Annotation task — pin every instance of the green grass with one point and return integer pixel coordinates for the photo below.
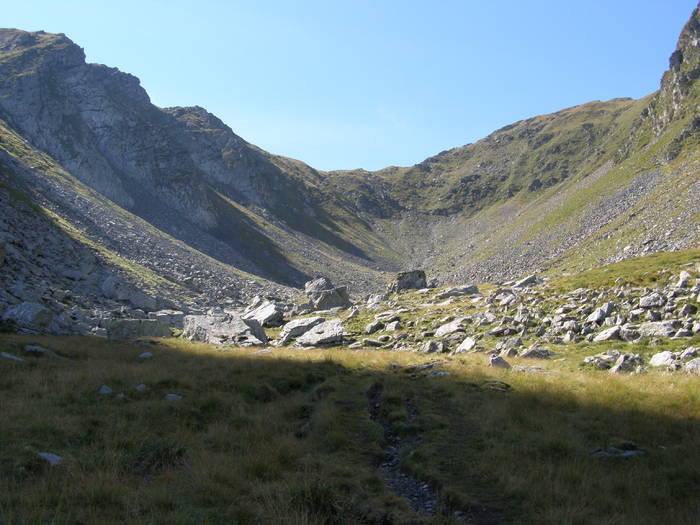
(637, 271)
(286, 437)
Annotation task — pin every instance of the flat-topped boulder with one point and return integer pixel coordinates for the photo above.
(659, 328)
(327, 333)
(224, 328)
(458, 291)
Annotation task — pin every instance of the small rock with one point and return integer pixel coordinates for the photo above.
(498, 362)
(11, 357)
(373, 327)
(53, 459)
(146, 355)
(172, 397)
(104, 390)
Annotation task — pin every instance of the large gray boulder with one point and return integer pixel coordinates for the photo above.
(173, 318)
(665, 358)
(324, 334)
(626, 363)
(266, 313)
(659, 328)
(450, 328)
(135, 328)
(458, 291)
(324, 296)
(653, 300)
(530, 280)
(113, 287)
(537, 352)
(466, 346)
(29, 315)
(298, 327)
(693, 366)
(224, 328)
(412, 280)
(608, 334)
(600, 314)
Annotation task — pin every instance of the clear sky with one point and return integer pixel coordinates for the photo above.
(367, 84)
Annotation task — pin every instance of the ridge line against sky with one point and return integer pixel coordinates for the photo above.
(343, 85)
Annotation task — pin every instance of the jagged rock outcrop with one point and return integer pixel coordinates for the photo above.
(324, 296)
(414, 279)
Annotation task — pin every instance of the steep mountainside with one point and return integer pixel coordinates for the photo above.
(177, 206)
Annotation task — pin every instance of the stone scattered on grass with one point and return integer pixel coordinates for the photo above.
(41, 351)
(498, 362)
(104, 390)
(146, 355)
(11, 357)
(53, 459)
(624, 450)
(172, 397)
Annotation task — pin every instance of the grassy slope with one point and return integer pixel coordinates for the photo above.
(237, 448)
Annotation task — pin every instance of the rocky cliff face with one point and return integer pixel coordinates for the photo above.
(676, 98)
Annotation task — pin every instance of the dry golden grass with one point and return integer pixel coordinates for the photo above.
(286, 437)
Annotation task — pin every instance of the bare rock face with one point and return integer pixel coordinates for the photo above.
(324, 296)
(412, 280)
(225, 328)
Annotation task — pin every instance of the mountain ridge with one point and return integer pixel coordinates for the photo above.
(560, 192)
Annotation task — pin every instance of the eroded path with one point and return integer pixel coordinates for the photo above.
(420, 496)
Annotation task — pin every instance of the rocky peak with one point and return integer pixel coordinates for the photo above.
(39, 47)
(673, 99)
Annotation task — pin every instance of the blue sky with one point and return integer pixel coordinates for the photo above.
(368, 84)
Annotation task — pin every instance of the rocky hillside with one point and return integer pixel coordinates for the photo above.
(177, 208)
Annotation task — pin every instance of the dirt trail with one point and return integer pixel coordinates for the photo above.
(422, 498)
(419, 494)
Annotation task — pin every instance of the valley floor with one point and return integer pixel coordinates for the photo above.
(339, 436)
